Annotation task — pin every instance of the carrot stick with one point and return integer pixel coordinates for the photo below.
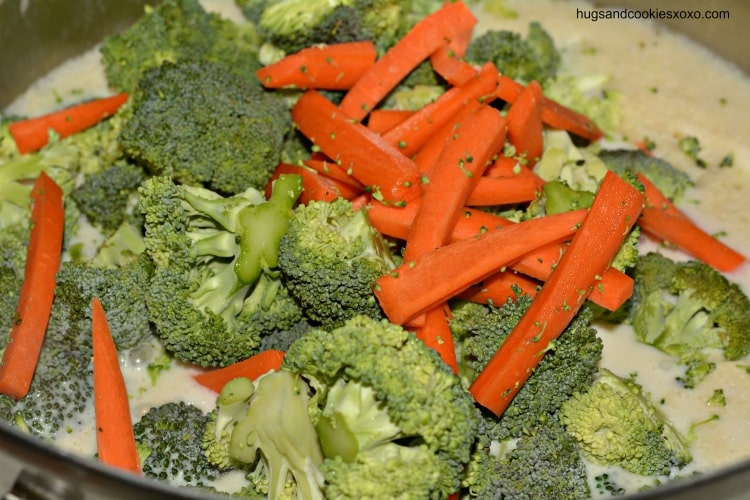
(37, 291)
(491, 191)
(499, 287)
(371, 160)
(420, 284)
(615, 286)
(252, 368)
(553, 114)
(332, 67)
(33, 133)
(525, 129)
(663, 221)
(382, 120)
(115, 438)
(331, 169)
(465, 156)
(616, 208)
(450, 67)
(450, 21)
(411, 134)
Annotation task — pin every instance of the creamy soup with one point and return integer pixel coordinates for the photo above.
(662, 99)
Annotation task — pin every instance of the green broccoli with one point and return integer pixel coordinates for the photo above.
(544, 463)
(523, 59)
(203, 125)
(122, 246)
(173, 31)
(212, 295)
(330, 258)
(616, 424)
(264, 428)
(586, 95)
(168, 438)
(669, 180)
(392, 418)
(685, 308)
(569, 367)
(292, 25)
(13, 240)
(105, 196)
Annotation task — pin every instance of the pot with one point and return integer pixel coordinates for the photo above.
(33, 40)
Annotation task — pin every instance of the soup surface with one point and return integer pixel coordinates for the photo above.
(668, 88)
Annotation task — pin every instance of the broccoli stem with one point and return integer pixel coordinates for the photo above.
(24, 168)
(261, 228)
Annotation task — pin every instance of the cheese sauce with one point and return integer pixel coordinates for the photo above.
(669, 88)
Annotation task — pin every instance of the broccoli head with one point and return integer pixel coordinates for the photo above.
(264, 427)
(616, 424)
(13, 240)
(203, 125)
(215, 291)
(569, 366)
(545, 463)
(168, 438)
(524, 59)
(683, 308)
(105, 196)
(331, 257)
(668, 179)
(173, 31)
(387, 410)
(292, 25)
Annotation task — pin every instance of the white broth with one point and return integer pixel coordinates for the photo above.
(669, 88)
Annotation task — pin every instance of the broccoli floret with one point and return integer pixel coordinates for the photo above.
(105, 196)
(569, 366)
(292, 25)
(330, 257)
(561, 160)
(168, 438)
(615, 423)
(586, 95)
(202, 125)
(173, 31)
(264, 427)
(13, 240)
(280, 340)
(122, 246)
(523, 59)
(669, 180)
(212, 295)
(545, 463)
(122, 292)
(378, 390)
(684, 308)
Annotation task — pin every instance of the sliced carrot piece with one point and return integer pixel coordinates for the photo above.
(525, 129)
(252, 368)
(381, 121)
(37, 292)
(115, 438)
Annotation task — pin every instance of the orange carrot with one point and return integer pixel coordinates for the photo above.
(420, 284)
(37, 291)
(663, 221)
(616, 208)
(33, 133)
(465, 155)
(615, 287)
(371, 160)
(452, 20)
(332, 67)
(553, 114)
(411, 134)
(491, 191)
(331, 169)
(382, 120)
(525, 129)
(115, 438)
(252, 368)
(314, 186)
(498, 288)
(450, 67)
